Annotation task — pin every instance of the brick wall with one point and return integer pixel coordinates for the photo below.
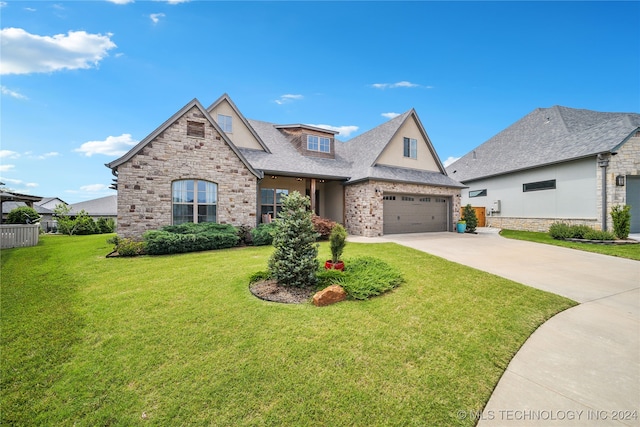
(144, 181)
(364, 204)
(536, 224)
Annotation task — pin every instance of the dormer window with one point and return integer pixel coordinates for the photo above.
(226, 123)
(411, 148)
(318, 143)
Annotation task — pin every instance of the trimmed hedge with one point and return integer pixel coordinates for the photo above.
(562, 231)
(190, 237)
(262, 235)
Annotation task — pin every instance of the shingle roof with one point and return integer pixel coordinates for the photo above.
(546, 136)
(103, 206)
(9, 206)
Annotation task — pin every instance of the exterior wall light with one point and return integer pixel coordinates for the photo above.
(620, 181)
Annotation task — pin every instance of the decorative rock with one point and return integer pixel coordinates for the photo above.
(329, 295)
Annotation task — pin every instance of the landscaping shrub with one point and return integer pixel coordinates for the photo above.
(599, 235)
(106, 225)
(262, 235)
(560, 230)
(579, 231)
(621, 216)
(329, 277)
(470, 217)
(22, 215)
(365, 277)
(85, 225)
(259, 275)
(190, 237)
(322, 226)
(293, 263)
(127, 247)
(337, 242)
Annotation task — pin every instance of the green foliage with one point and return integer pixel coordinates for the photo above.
(106, 225)
(329, 277)
(322, 226)
(365, 277)
(599, 235)
(579, 231)
(66, 224)
(84, 224)
(621, 216)
(129, 247)
(190, 237)
(293, 263)
(469, 216)
(23, 215)
(560, 230)
(337, 242)
(259, 275)
(262, 235)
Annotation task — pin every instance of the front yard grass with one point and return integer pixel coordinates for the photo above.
(180, 340)
(630, 251)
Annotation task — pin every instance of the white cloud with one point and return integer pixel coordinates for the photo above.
(344, 130)
(121, 1)
(47, 155)
(449, 160)
(94, 188)
(8, 154)
(24, 53)
(403, 83)
(390, 115)
(12, 93)
(30, 9)
(3, 3)
(6, 168)
(175, 1)
(155, 17)
(285, 99)
(112, 146)
(31, 184)
(10, 181)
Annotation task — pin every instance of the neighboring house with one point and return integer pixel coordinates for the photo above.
(103, 207)
(51, 202)
(45, 219)
(556, 164)
(212, 164)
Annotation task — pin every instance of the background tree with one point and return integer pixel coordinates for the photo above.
(293, 262)
(469, 216)
(23, 215)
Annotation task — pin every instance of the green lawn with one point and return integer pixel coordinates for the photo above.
(180, 340)
(623, 251)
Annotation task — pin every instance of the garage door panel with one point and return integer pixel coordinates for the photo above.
(414, 214)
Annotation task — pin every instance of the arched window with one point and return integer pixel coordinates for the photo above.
(194, 201)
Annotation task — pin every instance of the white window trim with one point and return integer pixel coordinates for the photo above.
(413, 148)
(226, 123)
(319, 138)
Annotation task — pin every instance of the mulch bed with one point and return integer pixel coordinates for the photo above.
(269, 290)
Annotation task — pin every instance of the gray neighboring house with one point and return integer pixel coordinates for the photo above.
(103, 207)
(214, 165)
(556, 164)
(46, 215)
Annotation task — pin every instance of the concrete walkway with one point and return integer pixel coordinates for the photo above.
(581, 367)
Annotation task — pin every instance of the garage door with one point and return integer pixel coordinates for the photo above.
(633, 200)
(414, 213)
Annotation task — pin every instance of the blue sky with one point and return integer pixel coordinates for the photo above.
(83, 81)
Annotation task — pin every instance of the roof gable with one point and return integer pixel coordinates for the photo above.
(153, 135)
(243, 135)
(546, 136)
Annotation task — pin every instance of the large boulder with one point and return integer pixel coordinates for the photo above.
(329, 295)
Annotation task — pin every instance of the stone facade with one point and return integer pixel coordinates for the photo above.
(364, 204)
(536, 224)
(144, 181)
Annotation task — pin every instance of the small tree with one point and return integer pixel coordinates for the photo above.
(469, 216)
(66, 224)
(23, 215)
(621, 216)
(293, 263)
(337, 242)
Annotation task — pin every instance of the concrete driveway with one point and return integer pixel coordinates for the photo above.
(580, 368)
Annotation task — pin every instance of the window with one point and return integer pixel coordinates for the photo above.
(407, 199)
(388, 197)
(478, 193)
(411, 148)
(540, 185)
(318, 143)
(271, 201)
(226, 123)
(425, 199)
(194, 201)
(195, 129)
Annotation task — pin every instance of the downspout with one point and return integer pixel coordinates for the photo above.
(603, 162)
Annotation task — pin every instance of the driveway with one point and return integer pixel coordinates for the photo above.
(581, 367)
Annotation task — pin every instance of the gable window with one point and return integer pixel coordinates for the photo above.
(540, 185)
(318, 143)
(194, 201)
(226, 123)
(271, 201)
(411, 148)
(195, 129)
(478, 193)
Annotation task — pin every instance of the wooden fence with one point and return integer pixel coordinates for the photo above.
(18, 235)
